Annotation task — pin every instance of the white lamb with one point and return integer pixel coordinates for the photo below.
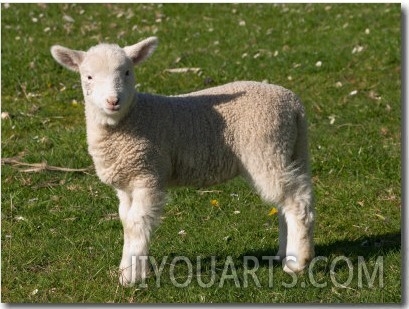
(141, 143)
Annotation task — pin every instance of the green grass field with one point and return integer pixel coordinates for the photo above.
(61, 239)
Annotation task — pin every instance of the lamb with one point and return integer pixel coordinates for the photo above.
(143, 143)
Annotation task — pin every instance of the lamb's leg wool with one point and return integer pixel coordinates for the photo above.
(296, 223)
(139, 212)
(282, 235)
(290, 189)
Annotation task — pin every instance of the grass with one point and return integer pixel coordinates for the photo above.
(61, 239)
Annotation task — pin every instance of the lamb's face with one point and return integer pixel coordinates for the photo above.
(106, 75)
(108, 81)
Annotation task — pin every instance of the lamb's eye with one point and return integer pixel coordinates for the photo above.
(127, 73)
(89, 77)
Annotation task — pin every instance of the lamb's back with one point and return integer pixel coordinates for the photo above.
(201, 135)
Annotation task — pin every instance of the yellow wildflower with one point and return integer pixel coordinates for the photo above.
(273, 211)
(214, 203)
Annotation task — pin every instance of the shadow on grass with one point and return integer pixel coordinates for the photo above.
(366, 247)
(335, 258)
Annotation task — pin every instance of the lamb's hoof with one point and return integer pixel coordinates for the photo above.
(125, 277)
(132, 274)
(294, 265)
(125, 282)
(291, 267)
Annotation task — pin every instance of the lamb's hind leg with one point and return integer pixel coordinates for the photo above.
(290, 189)
(296, 220)
(139, 212)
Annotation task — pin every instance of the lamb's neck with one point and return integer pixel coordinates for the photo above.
(95, 134)
(99, 126)
(95, 130)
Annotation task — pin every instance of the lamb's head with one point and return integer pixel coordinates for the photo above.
(107, 75)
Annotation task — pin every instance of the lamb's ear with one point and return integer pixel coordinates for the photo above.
(69, 58)
(142, 50)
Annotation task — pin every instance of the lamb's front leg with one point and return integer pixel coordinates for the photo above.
(139, 212)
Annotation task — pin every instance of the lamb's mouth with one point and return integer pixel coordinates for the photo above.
(112, 109)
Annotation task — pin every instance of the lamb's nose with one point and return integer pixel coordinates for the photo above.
(113, 101)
